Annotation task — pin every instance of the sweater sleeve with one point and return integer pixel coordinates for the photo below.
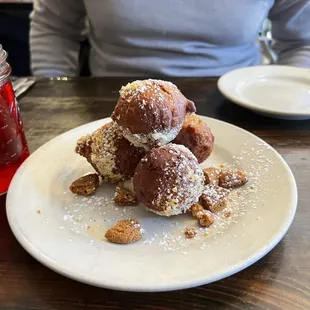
(291, 31)
(57, 28)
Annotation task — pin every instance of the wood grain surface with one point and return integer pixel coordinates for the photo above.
(280, 280)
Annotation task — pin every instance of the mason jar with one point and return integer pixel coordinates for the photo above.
(13, 145)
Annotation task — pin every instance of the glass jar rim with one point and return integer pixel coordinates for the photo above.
(3, 55)
(5, 68)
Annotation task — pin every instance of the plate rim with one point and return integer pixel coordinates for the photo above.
(244, 103)
(233, 269)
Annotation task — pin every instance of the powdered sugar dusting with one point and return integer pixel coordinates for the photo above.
(241, 201)
(92, 216)
(214, 193)
(139, 87)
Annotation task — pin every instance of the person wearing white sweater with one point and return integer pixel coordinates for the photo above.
(164, 37)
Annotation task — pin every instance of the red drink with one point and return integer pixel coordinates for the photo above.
(13, 145)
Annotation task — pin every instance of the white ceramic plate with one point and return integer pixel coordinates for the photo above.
(277, 91)
(66, 233)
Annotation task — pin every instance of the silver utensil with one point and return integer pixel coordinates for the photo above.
(21, 85)
(18, 82)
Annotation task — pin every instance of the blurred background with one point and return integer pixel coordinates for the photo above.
(14, 33)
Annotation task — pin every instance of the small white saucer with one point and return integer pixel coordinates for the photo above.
(277, 91)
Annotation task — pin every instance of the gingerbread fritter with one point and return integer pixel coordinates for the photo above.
(168, 180)
(232, 178)
(151, 112)
(111, 155)
(196, 136)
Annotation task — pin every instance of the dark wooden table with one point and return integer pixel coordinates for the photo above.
(281, 280)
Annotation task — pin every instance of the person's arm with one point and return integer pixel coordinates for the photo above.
(57, 28)
(291, 32)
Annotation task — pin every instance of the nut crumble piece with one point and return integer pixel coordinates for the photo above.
(227, 214)
(211, 175)
(197, 210)
(190, 232)
(124, 197)
(86, 185)
(206, 219)
(125, 231)
(232, 178)
(214, 198)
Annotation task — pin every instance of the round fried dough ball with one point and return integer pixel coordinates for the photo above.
(151, 112)
(111, 155)
(196, 136)
(168, 180)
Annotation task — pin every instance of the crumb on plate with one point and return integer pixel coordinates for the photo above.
(211, 175)
(232, 178)
(207, 219)
(85, 185)
(197, 210)
(227, 214)
(190, 232)
(214, 198)
(124, 232)
(124, 197)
